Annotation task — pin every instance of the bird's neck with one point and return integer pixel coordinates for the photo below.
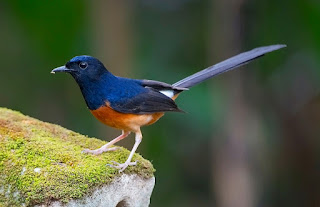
(95, 91)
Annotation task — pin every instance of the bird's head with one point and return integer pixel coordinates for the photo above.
(83, 68)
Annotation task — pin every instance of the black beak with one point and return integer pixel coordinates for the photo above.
(62, 69)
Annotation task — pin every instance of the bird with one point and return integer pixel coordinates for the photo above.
(129, 104)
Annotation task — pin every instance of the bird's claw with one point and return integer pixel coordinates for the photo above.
(121, 166)
(86, 151)
(99, 151)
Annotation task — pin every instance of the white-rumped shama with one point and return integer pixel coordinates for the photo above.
(129, 104)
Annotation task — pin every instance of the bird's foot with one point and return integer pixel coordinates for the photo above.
(122, 166)
(100, 150)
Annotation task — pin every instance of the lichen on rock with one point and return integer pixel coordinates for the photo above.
(42, 162)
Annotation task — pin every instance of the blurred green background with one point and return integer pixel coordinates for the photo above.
(250, 137)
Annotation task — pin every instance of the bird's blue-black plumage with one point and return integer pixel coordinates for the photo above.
(99, 87)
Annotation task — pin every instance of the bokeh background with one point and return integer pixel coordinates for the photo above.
(250, 137)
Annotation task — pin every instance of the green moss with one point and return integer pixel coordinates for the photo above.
(41, 162)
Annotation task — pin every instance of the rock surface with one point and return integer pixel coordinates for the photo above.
(124, 191)
(41, 164)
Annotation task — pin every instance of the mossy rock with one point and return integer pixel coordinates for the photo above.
(42, 162)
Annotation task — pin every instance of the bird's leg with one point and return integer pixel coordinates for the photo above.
(123, 166)
(106, 147)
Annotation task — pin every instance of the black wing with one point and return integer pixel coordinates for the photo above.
(148, 102)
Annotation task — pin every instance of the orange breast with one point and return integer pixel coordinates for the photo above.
(128, 122)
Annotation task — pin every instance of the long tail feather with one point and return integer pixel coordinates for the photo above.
(226, 65)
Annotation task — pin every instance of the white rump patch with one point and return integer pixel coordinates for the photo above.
(168, 93)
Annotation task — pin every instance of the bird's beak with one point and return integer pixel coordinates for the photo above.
(61, 69)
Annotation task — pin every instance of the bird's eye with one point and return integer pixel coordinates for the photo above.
(83, 65)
